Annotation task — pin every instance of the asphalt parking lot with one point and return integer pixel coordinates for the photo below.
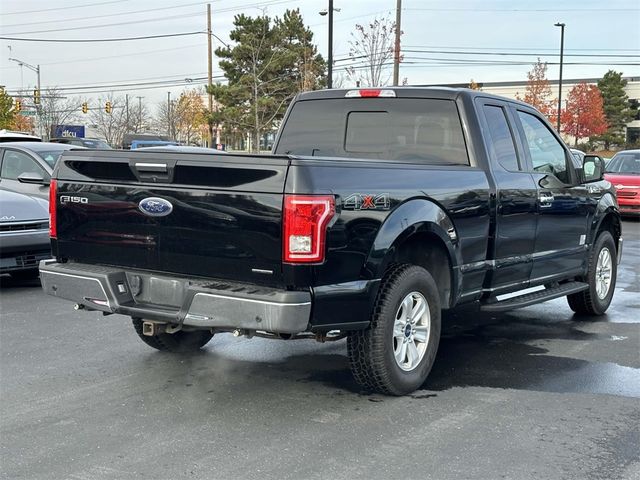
(535, 393)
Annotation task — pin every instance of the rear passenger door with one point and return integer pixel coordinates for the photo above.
(516, 197)
(563, 206)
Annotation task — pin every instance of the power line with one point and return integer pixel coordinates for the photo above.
(528, 48)
(58, 8)
(105, 25)
(508, 10)
(119, 14)
(89, 40)
(453, 52)
(90, 59)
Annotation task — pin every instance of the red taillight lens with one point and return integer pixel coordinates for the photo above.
(305, 227)
(53, 190)
(370, 93)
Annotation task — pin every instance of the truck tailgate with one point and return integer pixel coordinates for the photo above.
(198, 214)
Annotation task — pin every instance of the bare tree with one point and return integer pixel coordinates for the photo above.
(371, 51)
(56, 109)
(112, 126)
(165, 119)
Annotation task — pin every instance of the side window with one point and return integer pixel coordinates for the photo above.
(547, 154)
(502, 140)
(16, 163)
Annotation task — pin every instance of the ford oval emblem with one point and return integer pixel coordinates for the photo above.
(155, 207)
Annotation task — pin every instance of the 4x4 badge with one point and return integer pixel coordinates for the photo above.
(363, 201)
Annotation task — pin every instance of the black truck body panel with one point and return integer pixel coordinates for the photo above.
(501, 229)
(216, 224)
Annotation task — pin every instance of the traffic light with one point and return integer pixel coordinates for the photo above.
(85, 107)
(36, 97)
(18, 105)
(107, 107)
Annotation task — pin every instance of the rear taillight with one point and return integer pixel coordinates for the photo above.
(305, 227)
(53, 190)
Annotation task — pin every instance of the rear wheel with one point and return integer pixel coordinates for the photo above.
(23, 275)
(395, 354)
(601, 277)
(179, 342)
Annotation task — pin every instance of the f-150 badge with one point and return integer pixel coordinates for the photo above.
(363, 201)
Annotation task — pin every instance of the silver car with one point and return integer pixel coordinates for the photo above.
(24, 234)
(26, 167)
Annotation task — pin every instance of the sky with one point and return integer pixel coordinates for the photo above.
(605, 35)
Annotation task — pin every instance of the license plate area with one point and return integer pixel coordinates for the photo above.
(155, 290)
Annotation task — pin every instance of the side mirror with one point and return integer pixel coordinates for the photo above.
(592, 168)
(33, 178)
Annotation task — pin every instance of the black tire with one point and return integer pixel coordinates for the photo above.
(371, 351)
(588, 302)
(179, 342)
(24, 275)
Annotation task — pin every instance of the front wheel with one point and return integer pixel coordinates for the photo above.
(179, 342)
(395, 354)
(601, 277)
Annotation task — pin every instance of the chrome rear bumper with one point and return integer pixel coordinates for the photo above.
(176, 300)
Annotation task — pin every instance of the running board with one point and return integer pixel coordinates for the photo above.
(535, 297)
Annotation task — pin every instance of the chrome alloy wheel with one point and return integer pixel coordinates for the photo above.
(411, 331)
(603, 273)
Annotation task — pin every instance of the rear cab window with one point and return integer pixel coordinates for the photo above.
(419, 130)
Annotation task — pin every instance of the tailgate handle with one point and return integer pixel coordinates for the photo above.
(151, 167)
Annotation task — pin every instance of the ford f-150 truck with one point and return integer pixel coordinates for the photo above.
(377, 209)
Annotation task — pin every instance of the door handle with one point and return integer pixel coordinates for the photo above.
(545, 199)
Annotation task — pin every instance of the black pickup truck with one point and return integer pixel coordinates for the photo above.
(377, 209)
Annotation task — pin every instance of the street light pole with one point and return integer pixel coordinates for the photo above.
(210, 138)
(561, 25)
(329, 11)
(330, 55)
(37, 70)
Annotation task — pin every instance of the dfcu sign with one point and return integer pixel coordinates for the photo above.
(67, 131)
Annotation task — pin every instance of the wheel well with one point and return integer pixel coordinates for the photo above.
(611, 223)
(427, 250)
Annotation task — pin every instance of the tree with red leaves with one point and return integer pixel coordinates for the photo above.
(584, 115)
(538, 92)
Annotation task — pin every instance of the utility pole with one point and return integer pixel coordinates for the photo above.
(126, 106)
(169, 115)
(209, 75)
(139, 122)
(396, 48)
(561, 25)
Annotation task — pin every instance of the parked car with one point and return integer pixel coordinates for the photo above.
(378, 209)
(12, 136)
(24, 234)
(26, 167)
(151, 143)
(94, 143)
(129, 138)
(623, 171)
